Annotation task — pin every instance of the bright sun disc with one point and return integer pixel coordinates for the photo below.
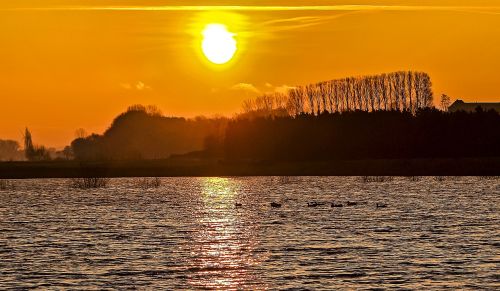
(218, 45)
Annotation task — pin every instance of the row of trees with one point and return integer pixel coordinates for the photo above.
(429, 133)
(10, 150)
(399, 91)
(142, 132)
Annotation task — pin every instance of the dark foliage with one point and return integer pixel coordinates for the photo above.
(149, 183)
(34, 152)
(10, 151)
(428, 133)
(400, 91)
(143, 133)
(89, 182)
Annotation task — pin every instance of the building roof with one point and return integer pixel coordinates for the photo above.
(460, 105)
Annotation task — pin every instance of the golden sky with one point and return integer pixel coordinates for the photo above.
(66, 64)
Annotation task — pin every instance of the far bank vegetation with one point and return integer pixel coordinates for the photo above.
(385, 116)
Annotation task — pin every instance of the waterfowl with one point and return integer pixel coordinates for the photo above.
(314, 204)
(275, 205)
(349, 203)
(337, 205)
(381, 205)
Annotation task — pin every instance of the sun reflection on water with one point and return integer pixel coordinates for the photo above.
(222, 247)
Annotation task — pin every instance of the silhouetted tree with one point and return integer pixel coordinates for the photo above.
(401, 91)
(445, 102)
(429, 133)
(10, 150)
(143, 133)
(80, 133)
(67, 153)
(29, 148)
(32, 152)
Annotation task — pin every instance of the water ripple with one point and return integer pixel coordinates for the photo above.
(191, 234)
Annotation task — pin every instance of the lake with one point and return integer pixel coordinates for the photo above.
(435, 233)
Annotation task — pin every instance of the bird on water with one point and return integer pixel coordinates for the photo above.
(275, 205)
(314, 204)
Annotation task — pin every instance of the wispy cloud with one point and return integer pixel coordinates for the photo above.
(270, 8)
(283, 89)
(293, 23)
(268, 88)
(245, 87)
(139, 86)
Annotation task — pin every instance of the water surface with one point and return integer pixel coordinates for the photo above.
(188, 234)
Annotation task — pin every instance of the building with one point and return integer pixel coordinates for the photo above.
(460, 105)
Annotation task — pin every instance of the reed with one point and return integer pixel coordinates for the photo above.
(89, 182)
(149, 183)
(6, 185)
(415, 178)
(284, 180)
(488, 178)
(376, 179)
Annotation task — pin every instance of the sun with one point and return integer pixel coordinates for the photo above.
(219, 45)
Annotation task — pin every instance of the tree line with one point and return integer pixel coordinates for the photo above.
(386, 116)
(34, 152)
(399, 91)
(10, 150)
(380, 134)
(143, 132)
(429, 133)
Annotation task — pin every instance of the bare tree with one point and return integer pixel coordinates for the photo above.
(409, 82)
(402, 91)
(445, 102)
(295, 101)
(427, 91)
(80, 133)
(248, 105)
(32, 152)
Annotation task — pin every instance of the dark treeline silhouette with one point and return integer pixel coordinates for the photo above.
(399, 91)
(429, 133)
(34, 152)
(10, 151)
(387, 116)
(144, 133)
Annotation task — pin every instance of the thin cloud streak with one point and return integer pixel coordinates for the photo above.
(246, 87)
(301, 22)
(268, 8)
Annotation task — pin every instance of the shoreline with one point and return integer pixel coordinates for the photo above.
(203, 168)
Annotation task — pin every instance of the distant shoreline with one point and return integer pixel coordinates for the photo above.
(202, 168)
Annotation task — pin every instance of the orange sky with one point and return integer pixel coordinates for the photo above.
(70, 64)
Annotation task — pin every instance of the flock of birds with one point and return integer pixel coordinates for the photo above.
(316, 204)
